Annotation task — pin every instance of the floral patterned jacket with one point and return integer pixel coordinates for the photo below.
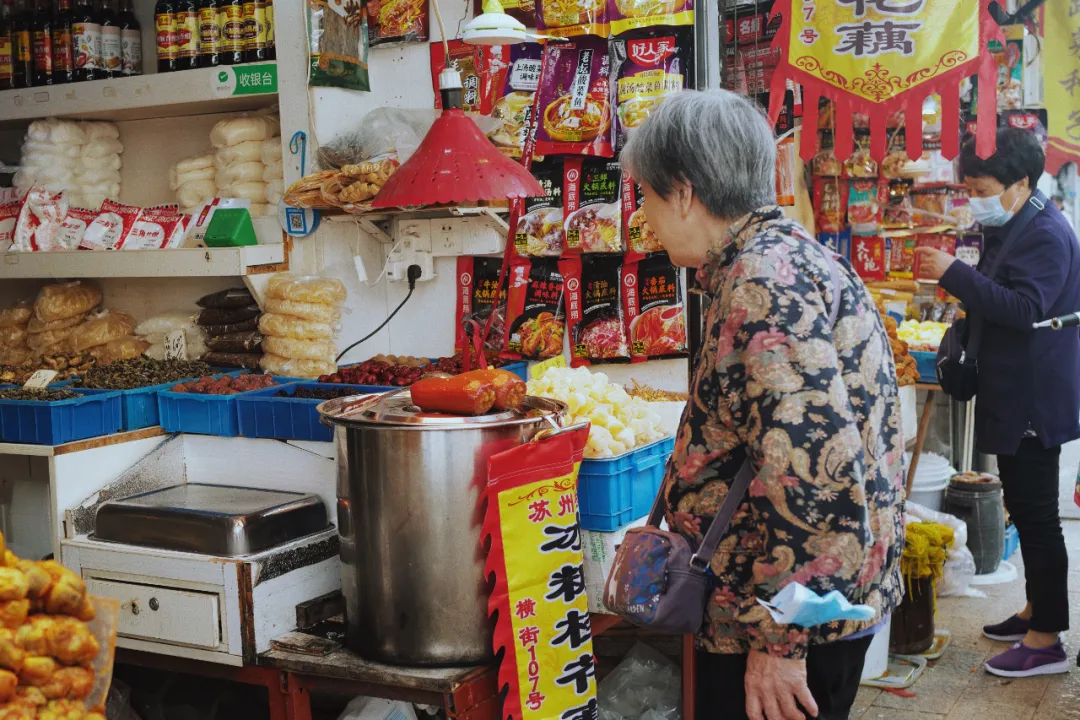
(816, 409)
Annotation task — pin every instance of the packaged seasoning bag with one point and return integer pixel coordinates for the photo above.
(215, 316)
(945, 243)
(516, 79)
(567, 18)
(41, 214)
(626, 15)
(157, 228)
(830, 204)
(71, 232)
(592, 205)
(640, 238)
(476, 77)
(868, 257)
(99, 329)
(392, 21)
(646, 71)
(838, 242)
(227, 299)
(574, 104)
(653, 302)
(594, 309)
(9, 216)
(540, 230)
(111, 226)
(865, 199)
(65, 300)
(535, 319)
(477, 299)
(902, 257)
(337, 45)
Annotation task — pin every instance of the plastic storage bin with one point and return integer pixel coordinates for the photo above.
(265, 415)
(201, 414)
(1012, 541)
(613, 492)
(140, 405)
(926, 363)
(55, 423)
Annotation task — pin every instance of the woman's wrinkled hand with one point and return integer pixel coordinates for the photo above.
(933, 262)
(775, 687)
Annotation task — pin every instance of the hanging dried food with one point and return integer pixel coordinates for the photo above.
(337, 47)
(516, 84)
(592, 205)
(594, 308)
(653, 301)
(535, 315)
(640, 237)
(397, 21)
(540, 229)
(478, 298)
(646, 71)
(574, 103)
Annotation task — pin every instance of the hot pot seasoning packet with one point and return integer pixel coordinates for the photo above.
(574, 103)
(653, 303)
(535, 317)
(592, 205)
(640, 238)
(566, 18)
(477, 299)
(646, 71)
(540, 230)
(516, 77)
(594, 309)
(392, 21)
(629, 15)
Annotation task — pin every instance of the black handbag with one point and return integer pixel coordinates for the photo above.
(958, 354)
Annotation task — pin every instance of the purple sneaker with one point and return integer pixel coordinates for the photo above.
(1021, 661)
(1012, 630)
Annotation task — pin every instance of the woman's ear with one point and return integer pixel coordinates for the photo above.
(684, 196)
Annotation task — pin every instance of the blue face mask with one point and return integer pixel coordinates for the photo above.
(989, 211)
(797, 604)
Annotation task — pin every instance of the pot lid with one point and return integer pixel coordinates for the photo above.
(397, 409)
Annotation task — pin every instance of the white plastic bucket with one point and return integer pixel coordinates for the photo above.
(877, 657)
(930, 496)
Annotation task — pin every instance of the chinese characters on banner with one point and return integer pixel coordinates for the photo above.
(877, 57)
(539, 598)
(1062, 82)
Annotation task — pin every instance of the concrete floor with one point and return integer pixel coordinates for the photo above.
(957, 688)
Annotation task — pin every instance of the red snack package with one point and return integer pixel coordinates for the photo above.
(594, 309)
(629, 15)
(830, 204)
(868, 256)
(865, 199)
(476, 76)
(464, 394)
(516, 81)
(646, 71)
(111, 227)
(477, 299)
(535, 320)
(154, 229)
(945, 243)
(540, 230)
(9, 216)
(392, 21)
(40, 216)
(74, 226)
(574, 17)
(592, 205)
(902, 257)
(574, 103)
(653, 301)
(640, 238)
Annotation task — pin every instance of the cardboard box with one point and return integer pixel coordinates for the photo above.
(599, 550)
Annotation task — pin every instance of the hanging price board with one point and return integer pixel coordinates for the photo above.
(176, 346)
(40, 380)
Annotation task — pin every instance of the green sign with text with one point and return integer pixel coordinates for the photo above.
(246, 80)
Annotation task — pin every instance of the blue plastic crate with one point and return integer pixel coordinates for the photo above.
(1012, 541)
(200, 414)
(926, 363)
(613, 492)
(56, 423)
(140, 404)
(264, 415)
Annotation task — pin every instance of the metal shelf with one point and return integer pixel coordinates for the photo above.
(194, 262)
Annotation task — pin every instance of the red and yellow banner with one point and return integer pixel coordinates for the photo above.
(540, 603)
(877, 57)
(1062, 81)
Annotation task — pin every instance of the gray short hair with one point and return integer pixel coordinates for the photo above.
(718, 142)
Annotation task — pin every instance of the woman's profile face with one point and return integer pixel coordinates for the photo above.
(668, 219)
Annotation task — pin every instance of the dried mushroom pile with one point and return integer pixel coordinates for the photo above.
(46, 647)
(141, 372)
(347, 188)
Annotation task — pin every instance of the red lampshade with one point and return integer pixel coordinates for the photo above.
(455, 164)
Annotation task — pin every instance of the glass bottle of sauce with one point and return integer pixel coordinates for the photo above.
(255, 30)
(7, 49)
(187, 33)
(232, 32)
(110, 40)
(63, 43)
(130, 40)
(168, 54)
(209, 33)
(41, 38)
(86, 42)
(23, 46)
(271, 50)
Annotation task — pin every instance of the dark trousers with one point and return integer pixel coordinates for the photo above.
(1029, 480)
(833, 672)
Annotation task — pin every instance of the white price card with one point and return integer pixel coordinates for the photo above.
(40, 380)
(176, 345)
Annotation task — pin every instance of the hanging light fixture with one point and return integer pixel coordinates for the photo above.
(455, 162)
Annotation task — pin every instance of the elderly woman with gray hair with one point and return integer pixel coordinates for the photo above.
(811, 403)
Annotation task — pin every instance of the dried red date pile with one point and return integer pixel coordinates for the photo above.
(378, 372)
(225, 385)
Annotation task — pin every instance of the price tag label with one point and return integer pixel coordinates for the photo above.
(542, 367)
(40, 380)
(176, 346)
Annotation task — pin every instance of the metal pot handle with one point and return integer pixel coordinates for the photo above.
(547, 434)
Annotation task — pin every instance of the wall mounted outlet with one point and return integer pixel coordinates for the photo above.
(446, 238)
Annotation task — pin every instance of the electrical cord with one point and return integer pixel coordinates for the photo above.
(412, 274)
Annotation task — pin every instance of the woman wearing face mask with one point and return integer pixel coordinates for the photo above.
(1028, 401)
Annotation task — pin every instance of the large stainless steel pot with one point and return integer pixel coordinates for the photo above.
(411, 559)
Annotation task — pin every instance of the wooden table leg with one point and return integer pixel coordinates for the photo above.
(689, 677)
(920, 438)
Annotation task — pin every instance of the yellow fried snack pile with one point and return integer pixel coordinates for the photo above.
(907, 371)
(923, 335)
(46, 646)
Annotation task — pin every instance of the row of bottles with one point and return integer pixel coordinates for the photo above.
(208, 33)
(75, 43)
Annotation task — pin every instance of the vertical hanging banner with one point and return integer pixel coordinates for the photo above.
(539, 598)
(877, 57)
(1062, 82)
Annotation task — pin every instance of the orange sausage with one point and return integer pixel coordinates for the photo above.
(509, 388)
(460, 395)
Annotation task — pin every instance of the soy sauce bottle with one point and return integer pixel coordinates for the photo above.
(7, 49)
(232, 32)
(63, 43)
(255, 49)
(41, 38)
(130, 40)
(168, 54)
(187, 34)
(209, 33)
(271, 50)
(86, 42)
(111, 59)
(23, 46)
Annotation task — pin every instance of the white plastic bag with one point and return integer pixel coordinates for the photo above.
(959, 562)
(253, 191)
(250, 151)
(645, 686)
(365, 708)
(236, 173)
(102, 148)
(178, 177)
(273, 171)
(243, 129)
(271, 151)
(195, 192)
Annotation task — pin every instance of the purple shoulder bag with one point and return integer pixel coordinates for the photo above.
(657, 582)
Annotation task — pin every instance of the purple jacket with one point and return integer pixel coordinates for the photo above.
(1027, 378)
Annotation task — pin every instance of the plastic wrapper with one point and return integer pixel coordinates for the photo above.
(219, 316)
(194, 164)
(100, 131)
(273, 172)
(36, 326)
(99, 176)
(110, 228)
(271, 151)
(99, 329)
(653, 304)
(244, 129)
(157, 228)
(959, 568)
(120, 349)
(14, 356)
(639, 236)
(13, 336)
(18, 314)
(57, 302)
(830, 204)
(595, 309)
(574, 17)
(253, 191)
(465, 394)
(535, 320)
(166, 323)
(287, 326)
(290, 367)
(227, 299)
(250, 151)
(478, 298)
(50, 341)
(239, 173)
(102, 147)
(397, 21)
(40, 218)
(309, 289)
(92, 164)
(9, 216)
(337, 51)
(540, 230)
(249, 324)
(196, 192)
(274, 192)
(865, 200)
(300, 349)
(519, 77)
(575, 117)
(367, 708)
(241, 342)
(644, 686)
(178, 179)
(73, 229)
(592, 205)
(646, 71)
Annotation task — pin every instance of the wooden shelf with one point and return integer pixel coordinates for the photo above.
(79, 445)
(194, 262)
(188, 92)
